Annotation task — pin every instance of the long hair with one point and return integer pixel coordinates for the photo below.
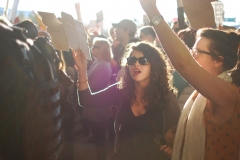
(155, 94)
(107, 51)
(226, 44)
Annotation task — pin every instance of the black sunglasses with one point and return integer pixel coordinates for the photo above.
(133, 60)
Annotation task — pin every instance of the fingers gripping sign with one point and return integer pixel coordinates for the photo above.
(80, 61)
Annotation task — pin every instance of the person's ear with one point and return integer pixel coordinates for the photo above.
(219, 61)
(150, 38)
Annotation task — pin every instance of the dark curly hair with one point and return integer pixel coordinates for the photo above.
(155, 94)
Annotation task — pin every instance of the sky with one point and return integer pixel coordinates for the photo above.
(113, 10)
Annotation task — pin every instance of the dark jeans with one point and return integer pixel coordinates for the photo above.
(99, 131)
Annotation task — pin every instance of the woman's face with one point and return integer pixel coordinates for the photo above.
(204, 60)
(96, 49)
(139, 73)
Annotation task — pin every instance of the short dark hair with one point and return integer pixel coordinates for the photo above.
(189, 37)
(148, 30)
(134, 40)
(127, 25)
(225, 44)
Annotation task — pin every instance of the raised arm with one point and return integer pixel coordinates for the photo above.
(81, 66)
(104, 98)
(212, 87)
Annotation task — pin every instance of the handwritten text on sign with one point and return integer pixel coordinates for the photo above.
(59, 38)
(218, 9)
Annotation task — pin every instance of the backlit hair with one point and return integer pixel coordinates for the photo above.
(107, 53)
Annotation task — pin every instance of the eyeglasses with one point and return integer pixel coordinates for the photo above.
(195, 53)
(133, 60)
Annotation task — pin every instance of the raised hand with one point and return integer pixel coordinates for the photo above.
(81, 66)
(148, 5)
(80, 61)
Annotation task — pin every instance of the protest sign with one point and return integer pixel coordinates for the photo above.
(70, 30)
(42, 27)
(76, 35)
(218, 9)
(199, 13)
(58, 37)
(99, 16)
(99, 22)
(49, 19)
(77, 7)
(56, 30)
(83, 41)
(69, 33)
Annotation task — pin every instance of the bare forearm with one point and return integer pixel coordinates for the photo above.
(81, 66)
(82, 80)
(173, 46)
(210, 86)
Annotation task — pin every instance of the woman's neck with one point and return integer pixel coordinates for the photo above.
(99, 58)
(139, 93)
(140, 86)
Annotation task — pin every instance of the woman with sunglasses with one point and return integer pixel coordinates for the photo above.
(209, 126)
(146, 104)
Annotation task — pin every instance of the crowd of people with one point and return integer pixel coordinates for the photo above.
(150, 93)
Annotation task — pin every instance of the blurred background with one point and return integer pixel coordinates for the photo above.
(113, 10)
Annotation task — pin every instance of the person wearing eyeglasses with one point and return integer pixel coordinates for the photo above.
(208, 128)
(99, 73)
(147, 106)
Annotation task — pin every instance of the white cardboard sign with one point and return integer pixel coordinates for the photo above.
(218, 9)
(70, 30)
(56, 30)
(99, 16)
(76, 35)
(69, 33)
(82, 37)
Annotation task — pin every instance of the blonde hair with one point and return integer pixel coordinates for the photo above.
(107, 51)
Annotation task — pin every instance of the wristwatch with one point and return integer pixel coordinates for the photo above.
(156, 20)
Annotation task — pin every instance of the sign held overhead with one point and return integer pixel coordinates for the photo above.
(218, 9)
(69, 33)
(199, 13)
